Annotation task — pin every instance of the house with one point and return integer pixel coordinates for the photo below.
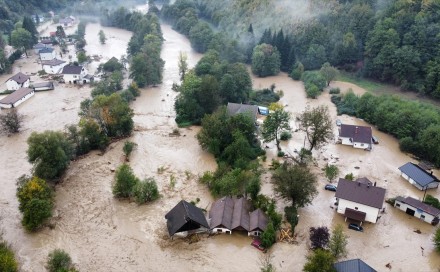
(355, 265)
(47, 54)
(359, 200)
(42, 86)
(46, 41)
(18, 81)
(185, 217)
(356, 136)
(234, 214)
(54, 66)
(40, 46)
(418, 177)
(418, 209)
(76, 74)
(16, 98)
(234, 108)
(67, 22)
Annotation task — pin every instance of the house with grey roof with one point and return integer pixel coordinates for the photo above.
(54, 66)
(234, 108)
(76, 74)
(18, 81)
(40, 46)
(359, 200)
(356, 136)
(355, 265)
(418, 176)
(417, 208)
(47, 53)
(16, 98)
(185, 217)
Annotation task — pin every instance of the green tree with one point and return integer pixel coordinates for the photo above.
(11, 121)
(82, 57)
(183, 65)
(331, 172)
(295, 183)
(102, 37)
(268, 238)
(145, 191)
(328, 72)
(7, 258)
(317, 125)
(200, 36)
(59, 261)
(265, 60)
(128, 148)
(28, 24)
(319, 237)
(21, 39)
(276, 122)
(60, 32)
(125, 181)
(50, 153)
(297, 71)
(319, 260)
(338, 242)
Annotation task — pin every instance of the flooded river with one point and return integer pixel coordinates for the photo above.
(104, 234)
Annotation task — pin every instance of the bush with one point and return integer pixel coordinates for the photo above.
(128, 148)
(319, 237)
(436, 240)
(349, 176)
(268, 238)
(59, 261)
(331, 172)
(297, 71)
(125, 180)
(127, 96)
(134, 89)
(280, 154)
(433, 201)
(291, 214)
(145, 191)
(285, 135)
(391, 201)
(335, 91)
(312, 91)
(7, 258)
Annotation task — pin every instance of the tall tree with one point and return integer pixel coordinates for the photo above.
(183, 65)
(338, 242)
(21, 39)
(11, 121)
(276, 122)
(329, 72)
(102, 37)
(317, 125)
(265, 60)
(29, 25)
(319, 261)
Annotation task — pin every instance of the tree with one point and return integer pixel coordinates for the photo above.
(183, 65)
(265, 60)
(81, 56)
(7, 258)
(276, 122)
(331, 171)
(319, 237)
(59, 261)
(102, 37)
(50, 152)
(319, 261)
(328, 72)
(338, 242)
(21, 39)
(295, 183)
(268, 238)
(266, 261)
(128, 148)
(145, 191)
(297, 71)
(29, 25)
(60, 32)
(11, 121)
(125, 181)
(317, 125)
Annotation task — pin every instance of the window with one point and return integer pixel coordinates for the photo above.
(362, 144)
(422, 216)
(397, 205)
(356, 208)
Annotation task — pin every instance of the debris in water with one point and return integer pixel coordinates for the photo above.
(418, 231)
(356, 167)
(388, 265)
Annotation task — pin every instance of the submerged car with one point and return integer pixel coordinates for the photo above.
(355, 227)
(257, 244)
(330, 187)
(375, 140)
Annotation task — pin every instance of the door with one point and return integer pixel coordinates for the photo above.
(410, 212)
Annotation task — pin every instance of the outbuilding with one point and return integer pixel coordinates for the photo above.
(418, 176)
(356, 136)
(43, 86)
(54, 66)
(185, 217)
(18, 81)
(47, 54)
(417, 208)
(355, 265)
(16, 98)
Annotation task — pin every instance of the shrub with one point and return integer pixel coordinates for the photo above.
(128, 148)
(125, 180)
(7, 258)
(433, 201)
(319, 237)
(312, 91)
(268, 237)
(145, 191)
(280, 153)
(11, 121)
(331, 171)
(291, 214)
(436, 240)
(391, 201)
(285, 135)
(335, 91)
(349, 176)
(127, 96)
(59, 261)
(134, 89)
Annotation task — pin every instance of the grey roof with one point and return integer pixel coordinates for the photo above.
(419, 205)
(46, 50)
(240, 217)
(20, 78)
(359, 134)
(72, 70)
(360, 193)
(234, 108)
(355, 265)
(53, 62)
(417, 173)
(185, 216)
(15, 96)
(47, 84)
(39, 46)
(258, 220)
(221, 213)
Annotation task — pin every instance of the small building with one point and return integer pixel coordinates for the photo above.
(18, 81)
(67, 22)
(359, 200)
(76, 74)
(40, 46)
(356, 136)
(42, 86)
(46, 41)
(234, 108)
(16, 98)
(54, 66)
(418, 177)
(47, 54)
(355, 265)
(417, 208)
(258, 223)
(185, 217)
(263, 110)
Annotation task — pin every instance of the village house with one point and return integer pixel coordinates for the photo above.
(356, 136)
(185, 217)
(234, 214)
(54, 66)
(359, 200)
(16, 98)
(67, 22)
(47, 54)
(234, 108)
(417, 208)
(418, 176)
(355, 265)
(76, 75)
(18, 81)
(42, 86)
(40, 46)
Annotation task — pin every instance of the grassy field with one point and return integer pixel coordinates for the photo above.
(369, 85)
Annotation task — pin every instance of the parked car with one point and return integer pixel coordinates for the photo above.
(330, 187)
(355, 227)
(375, 140)
(257, 244)
(338, 122)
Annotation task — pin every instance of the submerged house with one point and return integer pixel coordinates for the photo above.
(417, 208)
(359, 200)
(355, 265)
(234, 108)
(418, 176)
(16, 98)
(54, 66)
(18, 81)
(185, 217)
(356, 136)
(47, 54)
(76, 75)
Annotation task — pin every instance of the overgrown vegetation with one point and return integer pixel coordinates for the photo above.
(59, 261)
(7, 257)
(11, 121)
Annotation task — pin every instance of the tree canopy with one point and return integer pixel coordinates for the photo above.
(318, 126)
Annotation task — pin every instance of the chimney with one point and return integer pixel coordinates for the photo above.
(356, 131)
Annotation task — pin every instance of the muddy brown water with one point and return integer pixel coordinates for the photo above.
(104, 234)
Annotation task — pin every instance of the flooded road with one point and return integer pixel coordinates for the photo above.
(104, 234)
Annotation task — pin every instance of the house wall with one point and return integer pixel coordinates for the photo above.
(418, 213)
(345, 141)
(361, 145)
(411, 181)
(26, 97)
(48, 56)
(221, 230)
(372, 213)
(53, 69)
(72, 78)
(254, 233)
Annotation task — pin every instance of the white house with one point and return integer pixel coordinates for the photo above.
(47, 54)
(356, 136)
(67, 22)
(359, 200)
(418, 209)
(18, 81)
(418, 176)
(16, 98)
(40, 46)
(54, 66)
(76, 75)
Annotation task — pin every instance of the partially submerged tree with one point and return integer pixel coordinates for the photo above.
(102, 37)
(436, 240)
(59, 261)
(183, 65)
(328, 72)
(319, 237)
(146, 191)
(125, 180)
(7, 257)
(128, 148)
(21, 39)
(11, 121)
(317, 124)
(338, 242)
(331, 172)
(275, 123)
(319, 260)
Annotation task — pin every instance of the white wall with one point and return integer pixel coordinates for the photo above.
(13, 85)
(53, 69)
(371, 212)
(48, 56)
(345, 141)
(418, 213)
(71, 78)
(221, 230)
(26, 97)
(411, 181)
(361, 145)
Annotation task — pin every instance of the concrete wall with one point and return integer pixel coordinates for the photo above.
(371, 212)
(361, 145)
(345, 141)
(417, 213)
(221, 230)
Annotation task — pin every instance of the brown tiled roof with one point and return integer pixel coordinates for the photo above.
(258, 220)
(359, 134)
(419, 205)
(19, 78)
(15, 96)
(354, 214)
(360, 193)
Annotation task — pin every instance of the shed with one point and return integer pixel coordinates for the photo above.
(355, 265)
(417, 208)
(18, 81)
(16, 98)
(185, 217)
(418, 177)
(43, 86)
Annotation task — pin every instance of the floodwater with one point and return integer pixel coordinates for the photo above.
(104, 234)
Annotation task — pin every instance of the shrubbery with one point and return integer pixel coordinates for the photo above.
(7, 258)
(145, 191)
(59, 261)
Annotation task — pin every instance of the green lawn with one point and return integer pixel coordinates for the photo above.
(369, 85)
